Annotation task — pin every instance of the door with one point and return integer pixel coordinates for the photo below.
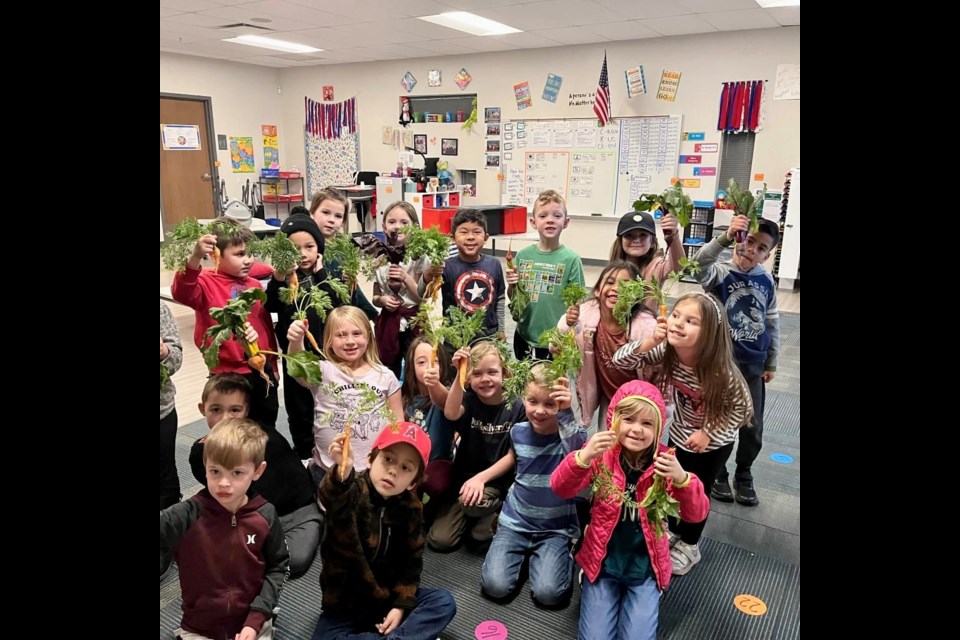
(188, 177)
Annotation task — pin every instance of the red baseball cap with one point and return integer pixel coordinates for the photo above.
(406, 433)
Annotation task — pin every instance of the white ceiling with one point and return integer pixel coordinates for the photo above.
(365, 30)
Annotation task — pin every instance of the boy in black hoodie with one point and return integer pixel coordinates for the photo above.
(373, 547)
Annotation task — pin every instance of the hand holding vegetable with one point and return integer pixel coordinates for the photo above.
(164, 349)
(431, 376)
(512, 277)
(573, 315)
(295, 335)
(738, 228)
(390, 302)
(669, 225)
(341, 455)
(598, 444)
(250, 334)
(206, 246)
(697, 442)
(461, 362)
(666, 465)
(561, 393)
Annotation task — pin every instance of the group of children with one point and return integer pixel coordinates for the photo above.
(505, 474)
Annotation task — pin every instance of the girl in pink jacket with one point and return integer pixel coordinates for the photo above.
(625, 557)
(599, 335)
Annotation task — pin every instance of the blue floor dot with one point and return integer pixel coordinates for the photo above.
(782, 458)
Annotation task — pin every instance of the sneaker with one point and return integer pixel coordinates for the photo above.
(746, 495)
(684, 556)
(721, 490)
(672, 538)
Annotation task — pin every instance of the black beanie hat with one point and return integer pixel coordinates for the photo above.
(301, 222)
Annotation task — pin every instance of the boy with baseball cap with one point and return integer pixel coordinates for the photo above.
(373, 548)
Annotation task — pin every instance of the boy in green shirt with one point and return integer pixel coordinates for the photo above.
(542, 271)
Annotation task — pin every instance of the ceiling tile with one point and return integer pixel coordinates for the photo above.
(624, 30)
(574, 12)
(678, 25)
(637, 9)
(785, 16)
(307, 16)
(739, 20)
(527, 40)
(481, 43)
(524, 17)
(572, 35)
(188, 5)
(710, 6)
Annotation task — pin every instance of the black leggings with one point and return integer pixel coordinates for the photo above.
(169, 480)
(706, 466)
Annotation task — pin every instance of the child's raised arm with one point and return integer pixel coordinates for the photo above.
(634, 354)
(575, 470)
(340, 458)
(436, 390)
(295, 336)
(453, 408)
(472, 490)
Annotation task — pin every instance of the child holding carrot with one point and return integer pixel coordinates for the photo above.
(329, 208)
(599, 335)
(485, 418)
(395, 291)
(625, 556)
(201, 290)
(748, 294)
(424, 398)
(709, 394)
(535, 521)
(637, 243)
(350, 370)
(298, 401)
(542, 271)
(473, 281)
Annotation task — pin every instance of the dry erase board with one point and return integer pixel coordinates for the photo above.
(597, 170)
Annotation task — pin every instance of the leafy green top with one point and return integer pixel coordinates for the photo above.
(428, 243)
(673, 200)
(573, 294)
(230, 320)
(745, 204)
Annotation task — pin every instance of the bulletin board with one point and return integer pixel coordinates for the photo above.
(597, 170)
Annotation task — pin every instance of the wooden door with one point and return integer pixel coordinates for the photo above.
(187, 177)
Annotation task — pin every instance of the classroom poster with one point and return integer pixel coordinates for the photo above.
(552, 88)
(522, 93)
(636, 84)
(271, 146)
(241, 154)
(669, 83)
(180, 137)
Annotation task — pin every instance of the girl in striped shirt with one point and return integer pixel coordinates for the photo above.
(711, 400)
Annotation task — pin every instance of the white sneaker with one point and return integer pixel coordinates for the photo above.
(684, 556)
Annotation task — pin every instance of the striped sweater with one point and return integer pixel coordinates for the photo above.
(531, 505)
(685, 395)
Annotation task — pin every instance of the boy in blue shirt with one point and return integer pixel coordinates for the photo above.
(749, 296)
(535, 521)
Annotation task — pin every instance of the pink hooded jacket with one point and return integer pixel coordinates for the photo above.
(642, 326)
(570, 478)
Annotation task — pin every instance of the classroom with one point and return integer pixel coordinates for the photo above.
(603, 101)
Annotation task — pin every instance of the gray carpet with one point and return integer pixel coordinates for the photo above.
(745, 550)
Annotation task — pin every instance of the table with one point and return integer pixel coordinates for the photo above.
(359, 196)
(259, 227)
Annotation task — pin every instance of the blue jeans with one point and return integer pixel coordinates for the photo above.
(434, 610)
(618, 608)
(551, 566)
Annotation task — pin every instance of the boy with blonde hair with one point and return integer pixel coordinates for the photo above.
(543, 270)
(229, 547)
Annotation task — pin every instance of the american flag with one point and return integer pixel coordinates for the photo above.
(601, 105)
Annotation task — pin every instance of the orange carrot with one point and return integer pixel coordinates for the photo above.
(294, 285)
(462, 369)
(346, 451)
(615, 425)
(663, 310)
(509, 255)
(437, 284)
(433, 356)
(257, 361)
(310, 338)
(216, 259)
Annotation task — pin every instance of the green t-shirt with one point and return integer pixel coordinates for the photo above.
(544, 274)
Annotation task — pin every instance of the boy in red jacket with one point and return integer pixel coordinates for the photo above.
(229, 547)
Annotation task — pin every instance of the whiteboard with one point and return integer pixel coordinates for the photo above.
(597, 170)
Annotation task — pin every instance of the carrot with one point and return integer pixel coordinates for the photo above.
(663, 310)
(346, 450)
(615, 425)
(433, 356)
(216, 259)
(462, 369)
(257, 361)
(509, 255)
(310, 338)
(294, 285)
(437, 284)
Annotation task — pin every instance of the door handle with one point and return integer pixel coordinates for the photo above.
(206, 177)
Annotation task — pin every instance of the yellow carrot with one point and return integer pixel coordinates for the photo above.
(346, 451)
(615, 425)
(433, 356)
(216, 259)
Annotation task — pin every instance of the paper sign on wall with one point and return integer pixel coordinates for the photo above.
(669, 83)
(706, 147)
(271, 146)
(552, 88)
(241, 154)
(636, 84)
(180, 137)
(522, 93)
